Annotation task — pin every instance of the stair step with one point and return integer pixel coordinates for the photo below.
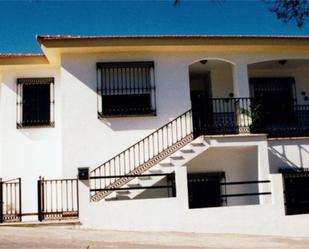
(123, 191)
(197, 144)
(118, 197)
(133, 185)
(155, 171)
(122, 197)
(144, 177)
(177, 157)
(111, 199)
(187, 151)
(167, 164)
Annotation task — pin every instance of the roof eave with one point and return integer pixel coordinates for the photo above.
(22, 59)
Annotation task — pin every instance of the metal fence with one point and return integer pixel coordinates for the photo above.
(57, 199)
(10, 200)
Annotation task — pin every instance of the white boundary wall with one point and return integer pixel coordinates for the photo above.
(173, 214)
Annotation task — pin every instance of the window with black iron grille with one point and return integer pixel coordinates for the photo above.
(126, 88)
(35, 102)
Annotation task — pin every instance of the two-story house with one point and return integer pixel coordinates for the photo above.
(180, 133)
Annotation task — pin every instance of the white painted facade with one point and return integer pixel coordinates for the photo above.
(81, 139)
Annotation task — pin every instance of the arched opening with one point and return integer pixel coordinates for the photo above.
(280, 93)
(211, 87)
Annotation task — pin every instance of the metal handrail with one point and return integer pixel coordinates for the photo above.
(143, 151)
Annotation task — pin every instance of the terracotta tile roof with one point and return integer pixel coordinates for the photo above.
(41, 38)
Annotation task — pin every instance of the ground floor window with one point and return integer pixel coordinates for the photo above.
(296, 191)
(205, 189)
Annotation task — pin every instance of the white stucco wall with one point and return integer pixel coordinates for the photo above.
(288, 153)
(222, 82)
(28, 152)
(238, 163)
(172, 214)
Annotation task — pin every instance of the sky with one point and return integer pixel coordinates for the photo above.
(21, 21)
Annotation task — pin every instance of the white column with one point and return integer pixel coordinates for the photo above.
(182, 186)
(240, 80)
(277, 193)
(84, 200)
(242, 90)
(263, 171)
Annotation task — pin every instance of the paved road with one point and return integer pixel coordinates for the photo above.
(77, 238)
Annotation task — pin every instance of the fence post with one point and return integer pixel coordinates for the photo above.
(40, 199)
(1, 201)
(20, 208)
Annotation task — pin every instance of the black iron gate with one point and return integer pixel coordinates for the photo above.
(10, 200)
(296, 191)
(57, 199)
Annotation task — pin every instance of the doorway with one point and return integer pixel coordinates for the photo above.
(211, 91)
(200, 93)
(274, 101)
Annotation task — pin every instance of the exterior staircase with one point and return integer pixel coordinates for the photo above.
(166, 166)
(157, 155)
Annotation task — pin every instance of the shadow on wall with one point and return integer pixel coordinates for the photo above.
(132, 123)
(289, 154)
(81, 71)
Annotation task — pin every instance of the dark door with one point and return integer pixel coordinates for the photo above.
(200, 91)
(273, 101)
(204, 189)
(201, 112)
(296, 191)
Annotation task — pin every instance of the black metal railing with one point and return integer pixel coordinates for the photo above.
(169, 186)
(147, 152)
(222, 116)
(57, 199)
(211, 191)
(288, 122)
(244, 115)
(10, 200)
(228, 193)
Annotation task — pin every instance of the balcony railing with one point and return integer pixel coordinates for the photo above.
(222, 116)
(249, 115)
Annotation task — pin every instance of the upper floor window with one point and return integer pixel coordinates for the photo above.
(35, 102)
(126, 88)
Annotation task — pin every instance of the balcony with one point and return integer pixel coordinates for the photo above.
(217, 116)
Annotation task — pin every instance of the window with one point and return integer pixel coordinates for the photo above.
(35, 102)
(204, 189)
(126, 88)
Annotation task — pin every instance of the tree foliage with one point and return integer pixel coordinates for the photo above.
(291, 11)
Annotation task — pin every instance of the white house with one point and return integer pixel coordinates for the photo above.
(180, 133)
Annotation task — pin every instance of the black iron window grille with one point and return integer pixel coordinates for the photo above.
(126, 88)
(35, 102)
